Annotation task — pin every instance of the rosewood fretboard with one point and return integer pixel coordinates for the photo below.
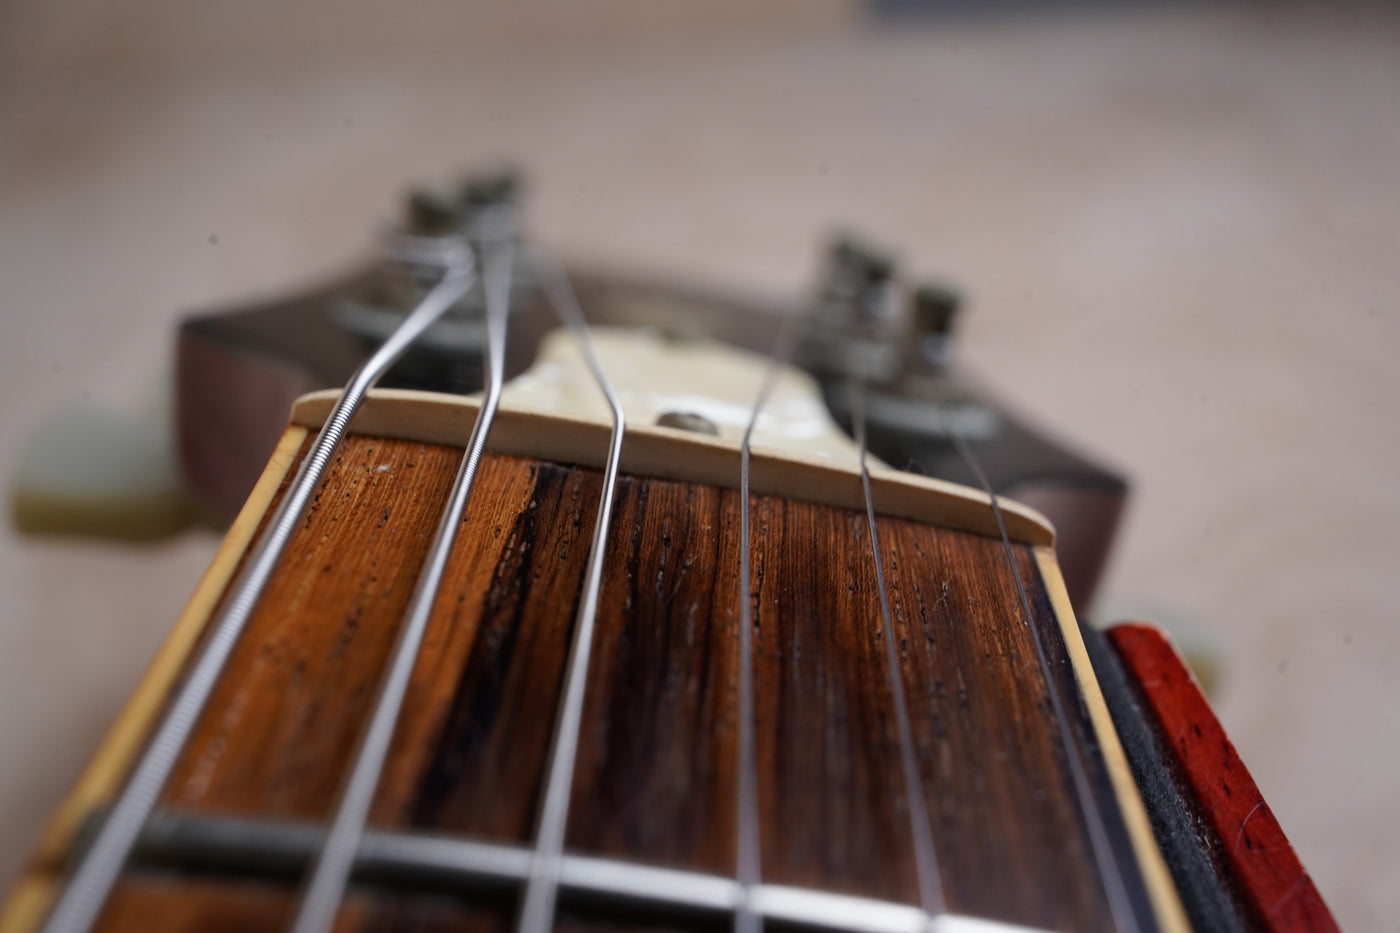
(655, 778)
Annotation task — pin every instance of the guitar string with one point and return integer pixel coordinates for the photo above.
(925, 855)
(86, 893)
(413, 863)
(336, 857)
(1115, 887)
(76, 913)
(748, 856)
(537, 910)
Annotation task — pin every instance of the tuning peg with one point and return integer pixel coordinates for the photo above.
(432, 212)
(855, 327)
(933, 308)
(489, 189)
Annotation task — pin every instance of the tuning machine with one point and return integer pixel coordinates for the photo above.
(854, 326)
(867, 325)
(440, 226)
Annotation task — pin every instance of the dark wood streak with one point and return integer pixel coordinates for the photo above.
(831, 795)
(654, 780)
(486, 764)
(657, 752)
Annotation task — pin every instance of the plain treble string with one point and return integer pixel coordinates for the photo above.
(541, 887)
(748, 857)
(1124, 917)
(336, 858)
(925, 855)
(82, 899)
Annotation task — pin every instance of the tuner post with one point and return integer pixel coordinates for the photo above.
(933, 308)
(431, 212)
(856, 323)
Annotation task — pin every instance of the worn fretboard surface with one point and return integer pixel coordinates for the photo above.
(655, 776)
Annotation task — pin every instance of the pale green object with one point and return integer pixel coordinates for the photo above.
(1197, 643)
(93, 472)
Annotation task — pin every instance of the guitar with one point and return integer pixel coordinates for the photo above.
(239, 370)
(661, 660)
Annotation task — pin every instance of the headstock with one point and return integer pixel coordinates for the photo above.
(872, 354)
(240, 369)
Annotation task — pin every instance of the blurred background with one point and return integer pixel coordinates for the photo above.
(1179, 228)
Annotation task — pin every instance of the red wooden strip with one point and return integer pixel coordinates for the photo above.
(1267, 873)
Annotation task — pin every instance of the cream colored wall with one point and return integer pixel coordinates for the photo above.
(171, 37)
(1179, 229)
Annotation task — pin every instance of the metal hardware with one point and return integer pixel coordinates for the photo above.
(930, 345)
(688, 421)
(537, 908)
(856, 325)
(336, 856)
(421, 861)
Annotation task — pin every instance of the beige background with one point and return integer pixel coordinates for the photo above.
(1180, 227)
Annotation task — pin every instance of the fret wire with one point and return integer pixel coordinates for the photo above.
(537, 910)
(748, 857)
(86, 892)
(925, 855)
(1124, 917)
(336, 856)
(413, 861)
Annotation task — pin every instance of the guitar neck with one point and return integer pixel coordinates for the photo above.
(1017, 835)
(481, 664)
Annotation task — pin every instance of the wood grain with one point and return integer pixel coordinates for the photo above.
(655, 779)
(283, 720)
(655, 770)
(481, 714)
(669, 453)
